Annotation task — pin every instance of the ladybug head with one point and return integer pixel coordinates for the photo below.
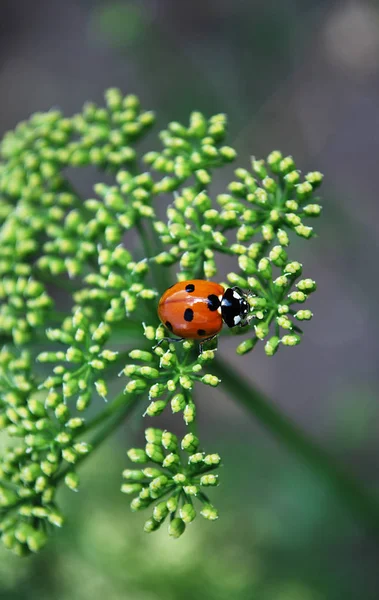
(234, 307)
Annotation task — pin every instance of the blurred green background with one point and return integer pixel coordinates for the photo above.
(295, 75)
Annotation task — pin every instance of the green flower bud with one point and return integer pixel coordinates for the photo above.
(176, 527)
(36, 540)
(312, 210)
(282, 237)
(306, 285)
(291, 340)
(272, 346)
(133, 475)
(160, 512)
(293, 268)
(178, 403)
(141, 355)
(291, 179)
(304, 190)
(264, 267)
(137, 455)
(187, 513)
(155, 408)
(261, 330)
(189, 413)
(169, 441)
(72, 481)
(155, 453)
(190, 443)
(170, 460)
(151, 525)
(152, 472)
(185, 382)
(212, 459)
(153, 435)
(131, 488)
(172, 504)
(304, 231)
(138, 504)
(284, 322)
(303, 315)
(196, 458)
(135, 385)
(191, 490)
(209, 479)
(246, 346)
(278, 256)
(209, 512)
(281, 281)
(158, 484)
(69, 455)
(247, 264)
(315, 178)
(212, 380)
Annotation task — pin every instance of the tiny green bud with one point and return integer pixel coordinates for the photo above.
(178, 403)
(209, 512)
(156, 408)
(284, 322)
(153, 435)
(212, 380)
(172, 504)
(189, 413)
(212, 459)
(209, 479)
(137, 455)
(291, 340)
(176, 528)
(303, 315)
(246, 346)
(169, 441)
(151, 525)
(171, 459)
(306, 285)
(187, 513)
(72, 481)
(154, 452)
(190, 443)
(271, 346)
(160, 512)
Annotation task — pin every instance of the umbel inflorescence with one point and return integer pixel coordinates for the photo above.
(56, 367)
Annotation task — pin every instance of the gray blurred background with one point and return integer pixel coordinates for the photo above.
(296, 75)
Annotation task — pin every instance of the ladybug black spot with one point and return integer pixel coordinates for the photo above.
(201, 332)
(190, 288)
(168, 325)
(188, 314)
(213, 302)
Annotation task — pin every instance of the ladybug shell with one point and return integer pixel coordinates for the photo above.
(191, 309)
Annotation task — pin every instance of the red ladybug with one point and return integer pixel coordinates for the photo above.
(196, 309)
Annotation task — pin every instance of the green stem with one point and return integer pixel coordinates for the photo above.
(361, 501)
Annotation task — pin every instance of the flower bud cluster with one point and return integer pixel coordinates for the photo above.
(167, 374)
(276, 287)
(179, 474)
(192, 151)
(24, 306)
(271, 200)
(121, 206)
(45, 447)
(117, 288)
(82, 363)
(194, 230)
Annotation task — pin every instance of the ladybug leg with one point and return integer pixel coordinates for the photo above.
(167, 339)
(201, 344)
(247, 321)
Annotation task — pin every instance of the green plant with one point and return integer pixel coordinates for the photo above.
(52, 240)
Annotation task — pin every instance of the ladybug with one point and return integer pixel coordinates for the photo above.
(196, 309)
